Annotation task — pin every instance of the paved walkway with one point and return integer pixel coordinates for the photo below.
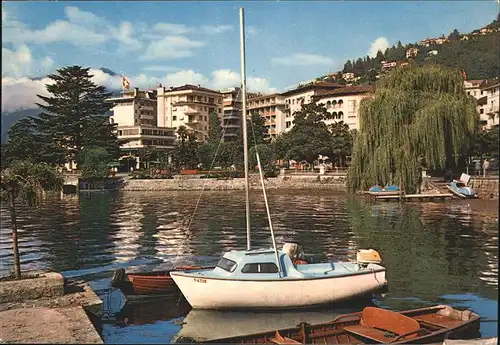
(43, 325)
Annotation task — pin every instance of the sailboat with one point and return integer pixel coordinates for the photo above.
(268, 278)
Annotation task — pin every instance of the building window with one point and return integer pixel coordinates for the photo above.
(340, 103)
(328, 105)
(174, 118)
(205, 118)
(288, 124)
(341, 115)
(220, 110)
(481, 111)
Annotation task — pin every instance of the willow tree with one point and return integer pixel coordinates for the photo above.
(419, 117)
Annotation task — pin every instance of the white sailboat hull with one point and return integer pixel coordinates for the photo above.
(210, 293)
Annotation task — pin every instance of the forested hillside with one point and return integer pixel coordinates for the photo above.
(476, 53)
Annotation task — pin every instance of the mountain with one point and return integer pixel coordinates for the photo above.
(108, 71)
(9, 118)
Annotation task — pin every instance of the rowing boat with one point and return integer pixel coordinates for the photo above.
(375, 325)
(151, 283)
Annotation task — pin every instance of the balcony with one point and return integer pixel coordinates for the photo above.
(194, 123)
(147, 108)
(231, 125)
(188, 102)
(146, 117)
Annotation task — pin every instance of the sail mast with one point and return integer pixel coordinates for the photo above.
(244, 122)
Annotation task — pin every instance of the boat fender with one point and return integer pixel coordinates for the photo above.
(118, 278)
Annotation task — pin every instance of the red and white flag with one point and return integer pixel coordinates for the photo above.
(125, 82)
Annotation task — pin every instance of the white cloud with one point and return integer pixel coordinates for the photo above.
(252, 31)
(225, 78)
(20, 93)
(20, 63)
(301, 59)
(81, 28)
(216, 29)
(172, 29)
(171, 47)
(381, 44)
(256, 84)
(187, 76)
(159, 68)
(123, 34)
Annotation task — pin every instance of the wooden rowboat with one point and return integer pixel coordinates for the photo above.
(375, 325)
(151, 283)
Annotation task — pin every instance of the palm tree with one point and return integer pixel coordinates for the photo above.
(26, 182)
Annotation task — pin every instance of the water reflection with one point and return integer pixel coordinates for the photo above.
(430, 249)
(203, 325)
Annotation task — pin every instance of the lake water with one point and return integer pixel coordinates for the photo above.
(443, 252)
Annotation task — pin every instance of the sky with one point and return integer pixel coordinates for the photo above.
(175, 43)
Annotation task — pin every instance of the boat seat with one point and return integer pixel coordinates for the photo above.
(378, 324)
(439, 320)
(279, 339)
(370, 333)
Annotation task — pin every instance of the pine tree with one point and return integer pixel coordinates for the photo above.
(75, 114)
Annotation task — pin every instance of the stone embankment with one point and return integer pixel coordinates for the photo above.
(321, 182)
(485, 187)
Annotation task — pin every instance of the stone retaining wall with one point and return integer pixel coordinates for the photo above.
(281, 182)
(46, 285)
(485, 187)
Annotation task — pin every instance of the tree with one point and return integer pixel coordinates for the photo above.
(25, 181)
(185, 154)
(214, 130)
(256, 134)
(309, 136)
(417, 114)
(205, 155)
(454, 35)
(75, 114)
(94, 162)
(266, 156)
(486, 143)
(22, 143)
(147, 155)
(341, 144)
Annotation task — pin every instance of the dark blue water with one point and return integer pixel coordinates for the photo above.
(435, 253)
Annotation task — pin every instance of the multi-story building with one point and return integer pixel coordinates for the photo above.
(488, 103)
(302, 95)
(271, 108)
(136, 118)
(231, 117)
(134, 107)
(486, 93)
(189, 106)
(411, 53)
(343, 103)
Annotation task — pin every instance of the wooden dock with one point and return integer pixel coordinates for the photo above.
(415, 197)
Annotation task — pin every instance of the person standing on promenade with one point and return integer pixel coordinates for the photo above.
(478, 168)
(486, 166)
